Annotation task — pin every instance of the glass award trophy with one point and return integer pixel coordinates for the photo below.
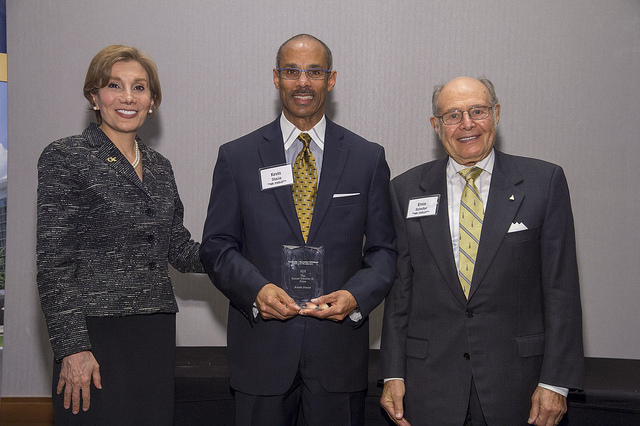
(302, 272)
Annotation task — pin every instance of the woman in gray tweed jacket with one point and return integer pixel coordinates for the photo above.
(109, 224)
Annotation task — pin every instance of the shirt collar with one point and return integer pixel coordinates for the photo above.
(291, 132)
(485, 164)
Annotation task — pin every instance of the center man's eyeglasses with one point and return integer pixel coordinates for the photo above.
(295, 73)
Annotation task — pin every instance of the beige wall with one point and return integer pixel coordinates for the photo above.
(566, 73)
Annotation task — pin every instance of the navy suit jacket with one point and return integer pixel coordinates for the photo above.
(522, 322)
(242, 244)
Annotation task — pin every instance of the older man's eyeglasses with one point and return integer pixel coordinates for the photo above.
(295, 73)
(475, 113)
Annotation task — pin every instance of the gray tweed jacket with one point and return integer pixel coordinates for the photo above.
(105, 238)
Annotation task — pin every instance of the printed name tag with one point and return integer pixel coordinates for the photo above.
(423, 206)
(274, 177)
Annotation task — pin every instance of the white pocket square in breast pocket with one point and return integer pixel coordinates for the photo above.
(517, 226)
(349, 194)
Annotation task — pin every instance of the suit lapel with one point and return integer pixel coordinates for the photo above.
(503, 203)
(150, 172)
(436, 228)
(271, 149)
(333, 163)
(112, 156)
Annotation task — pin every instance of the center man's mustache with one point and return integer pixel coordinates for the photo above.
(303, 92)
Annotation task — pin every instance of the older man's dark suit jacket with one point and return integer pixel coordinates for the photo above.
(242, 244)
(522, 322)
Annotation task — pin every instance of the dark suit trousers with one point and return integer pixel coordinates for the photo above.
(306, 403)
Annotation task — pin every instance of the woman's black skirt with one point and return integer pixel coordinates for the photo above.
(137, 364)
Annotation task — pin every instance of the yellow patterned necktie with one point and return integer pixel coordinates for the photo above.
(305, 184)
(471, 218)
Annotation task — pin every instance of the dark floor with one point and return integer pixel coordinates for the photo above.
(611, 396)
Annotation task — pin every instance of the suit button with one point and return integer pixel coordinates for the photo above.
(470, 313)
(150, 212)
(151, 238)
(152, 266)
(467, 356)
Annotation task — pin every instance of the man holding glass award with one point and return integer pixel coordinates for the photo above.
(299, 236)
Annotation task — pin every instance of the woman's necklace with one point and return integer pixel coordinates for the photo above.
(137, 160)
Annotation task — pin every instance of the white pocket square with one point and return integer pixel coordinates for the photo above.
(350, 194)
(517, 226)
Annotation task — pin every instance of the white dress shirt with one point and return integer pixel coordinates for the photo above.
(293, 146)
(455, 186)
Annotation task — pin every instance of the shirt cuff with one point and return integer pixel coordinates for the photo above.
(557, 389)
(355, 315)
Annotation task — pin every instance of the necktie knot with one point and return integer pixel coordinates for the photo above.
(305, 138)
(470, 174)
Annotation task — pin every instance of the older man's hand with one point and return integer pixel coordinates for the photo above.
(547, 407)
(391, 401)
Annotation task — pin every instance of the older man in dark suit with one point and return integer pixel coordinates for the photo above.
(483, 323)
(283, 358)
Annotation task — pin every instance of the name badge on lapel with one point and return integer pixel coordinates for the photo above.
(275, 177)
(423, 206)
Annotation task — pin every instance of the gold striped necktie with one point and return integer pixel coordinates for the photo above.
(305, 180)
(471, 218)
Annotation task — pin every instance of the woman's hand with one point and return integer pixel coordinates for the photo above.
(75, 378)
